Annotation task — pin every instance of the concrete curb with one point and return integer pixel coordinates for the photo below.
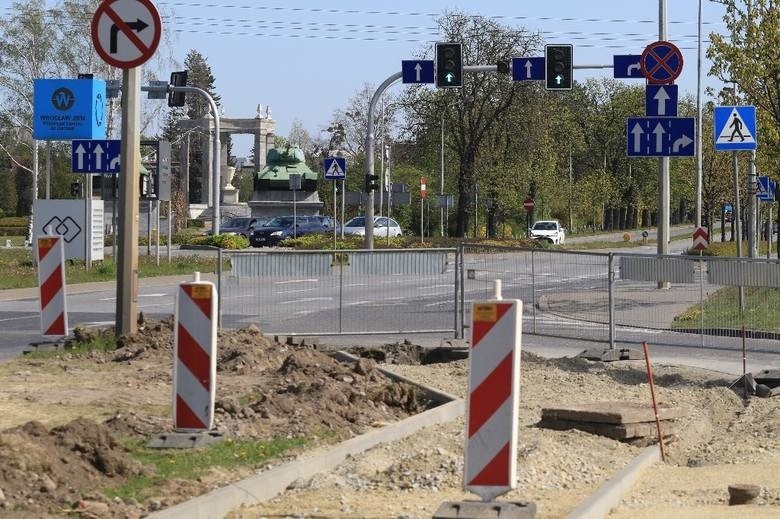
(610, 493)
(270, 483)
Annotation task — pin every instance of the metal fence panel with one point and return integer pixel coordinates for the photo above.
(673, 270)
(279, 263)
(746, 273)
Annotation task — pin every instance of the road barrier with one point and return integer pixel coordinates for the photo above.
(51, 284)
(195, 355)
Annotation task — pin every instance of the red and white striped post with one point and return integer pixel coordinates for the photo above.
(494, 396)
(51, 284)
(195, 355)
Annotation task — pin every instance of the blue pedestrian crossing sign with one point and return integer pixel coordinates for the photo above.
(765, 189)
(735, 128)
(335, 168)
(95, 156)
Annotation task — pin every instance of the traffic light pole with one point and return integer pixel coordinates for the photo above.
(663, 169)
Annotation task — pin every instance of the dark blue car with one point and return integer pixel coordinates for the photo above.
(281, 227)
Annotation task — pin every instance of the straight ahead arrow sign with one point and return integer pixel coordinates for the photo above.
(637, 132)
(80, 151)
(662, 97)
(659, 137)
(98, 152)
(417, 69)
(528, 67)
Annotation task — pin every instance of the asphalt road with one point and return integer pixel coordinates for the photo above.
(401, 306)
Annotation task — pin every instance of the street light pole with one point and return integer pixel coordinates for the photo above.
(441, 184)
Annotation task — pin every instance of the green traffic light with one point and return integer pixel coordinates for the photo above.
(449, 77)
(558, 79)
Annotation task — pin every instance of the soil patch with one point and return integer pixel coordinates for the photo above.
(56, 462)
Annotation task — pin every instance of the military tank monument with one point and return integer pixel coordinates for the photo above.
(273, 190)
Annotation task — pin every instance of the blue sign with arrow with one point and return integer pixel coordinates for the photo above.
(627, 66)
(765, 189)
(335, 168)
(417, 71)
(735, 128)
(528, 69)
(95, 156)
(660, 136)
(661, 100)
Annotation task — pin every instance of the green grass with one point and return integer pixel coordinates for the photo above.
(194, 463)
(19, 271)
(721, 310)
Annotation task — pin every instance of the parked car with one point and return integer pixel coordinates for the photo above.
(242, 225)
(383, 226)
(281, 227)
(548, 230)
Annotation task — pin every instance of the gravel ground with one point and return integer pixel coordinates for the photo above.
(557, 470)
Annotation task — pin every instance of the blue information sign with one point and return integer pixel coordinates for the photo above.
(735, 128)
(660, 136)
(661, 100)
(627, 66)
(765, 189)
(335, 168)
(417, 71)
(528, 69)
(98, 156)
(66, 109)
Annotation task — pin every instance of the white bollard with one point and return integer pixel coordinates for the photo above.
(195, 355)
(494, 396)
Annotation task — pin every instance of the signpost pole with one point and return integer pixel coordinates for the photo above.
(157, 226)
(130, 162)
(752, 204)
(663, 168)
(335, 214)
(737, 218)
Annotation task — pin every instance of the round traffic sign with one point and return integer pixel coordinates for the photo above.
(126, 33)
(529, 204)
(661, 63)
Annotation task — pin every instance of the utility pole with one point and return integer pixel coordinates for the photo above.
(698, 126)
(663, 168)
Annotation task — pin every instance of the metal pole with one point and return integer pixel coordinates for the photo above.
(368, 167)
(462, 328)
(130, 162)
(533, 289)
(455, 299)
(751, 207)
(219, 287)
(476, 210)
(611, 278)
(295, 214)
(31, 224)
(157, 227)
(698, 124)
(737, 219)
(663, 169)
(335, 214)
(571, 182)
(441, 188)
(215, 221)
(343, 195)
(422, 229)
(382, 161)
(149, 226)
(769, 234)
(114, 203)
(48, 170)
(169, 241)
(701, 298)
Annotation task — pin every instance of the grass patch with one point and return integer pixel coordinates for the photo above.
(721, 310)
(729, 248)
(19, 271)
(605, 245)
(194, 463)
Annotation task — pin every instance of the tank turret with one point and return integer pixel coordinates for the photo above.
(280, 163)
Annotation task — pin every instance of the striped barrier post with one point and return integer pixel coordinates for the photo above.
(51, 285)
(195, 356)
(494, 396)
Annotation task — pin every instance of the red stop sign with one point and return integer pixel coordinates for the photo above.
(529, 204)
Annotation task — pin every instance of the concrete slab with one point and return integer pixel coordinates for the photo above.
(625, 431)
(612, 412)
(482, 510)
(184, 440)
(611, 355)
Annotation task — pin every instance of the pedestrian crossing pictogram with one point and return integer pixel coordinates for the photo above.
(735, 128)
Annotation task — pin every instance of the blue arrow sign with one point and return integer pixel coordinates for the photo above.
(335, 168)
(661, 100)
(660, 136)
(528, 69)
(765, 189)
(417, 71)
(95, 156)
(627, 66)
(735, 128)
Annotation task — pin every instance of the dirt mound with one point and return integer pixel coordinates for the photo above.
(43, 470)
(265, 390)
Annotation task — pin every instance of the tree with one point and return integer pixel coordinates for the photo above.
(484, 97)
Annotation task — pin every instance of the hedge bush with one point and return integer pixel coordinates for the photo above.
(13, 231)
(223, 241)
(14, 221)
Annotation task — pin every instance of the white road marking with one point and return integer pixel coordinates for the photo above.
(19, 318)
(306, 300)
(358, 303)
(296, 281)
(139, 295)
(356, 285)
(294, 291)
(434, 286)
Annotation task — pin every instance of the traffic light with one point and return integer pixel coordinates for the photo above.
(177, 79)
(559, 64)
(372, 183)
(449, 65)
(75, 189)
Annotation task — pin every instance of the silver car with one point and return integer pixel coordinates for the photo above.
(383, 226)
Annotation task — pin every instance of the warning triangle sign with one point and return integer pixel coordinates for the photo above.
(735, 130)
(334, 170)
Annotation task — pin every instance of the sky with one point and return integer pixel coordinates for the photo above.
(306, 58)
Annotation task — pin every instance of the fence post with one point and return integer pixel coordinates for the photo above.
(611, 277)
(461, 247)
(533, 291)
(455, 299)
(219, 287)
(341, 289)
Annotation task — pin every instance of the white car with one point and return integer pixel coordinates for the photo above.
(382, 226)
(548, 230)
